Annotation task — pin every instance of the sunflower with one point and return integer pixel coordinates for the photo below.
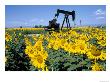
(27, 42)
(81, 46)
(43, 54)
(37, 55)
(102, 42)
(29, 51)
(96, 54)
(38, 46)
(96, 67)
(66, 46)
(38, 61)
(7, 37)
(6, 46)
(73, 48)
(57, 44)
(49, 45)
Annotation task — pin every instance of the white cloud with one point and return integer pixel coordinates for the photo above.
(14, 22)
(100, 17)
(99, 12)
(41, 20)
(33, 20)
(36, 20)
(26, 23)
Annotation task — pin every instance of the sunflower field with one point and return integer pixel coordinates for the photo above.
(34, 49)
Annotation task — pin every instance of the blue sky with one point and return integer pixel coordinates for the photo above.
(30, 15)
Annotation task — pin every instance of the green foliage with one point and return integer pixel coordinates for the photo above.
(17, 60)
(63, 61)
(33, 32)
(93, 41)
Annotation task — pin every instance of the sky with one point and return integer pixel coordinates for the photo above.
(31, 15)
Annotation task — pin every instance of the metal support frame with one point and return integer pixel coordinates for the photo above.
(67, 21)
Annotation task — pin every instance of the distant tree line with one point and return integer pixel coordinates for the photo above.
(36, 26)
(39, 26)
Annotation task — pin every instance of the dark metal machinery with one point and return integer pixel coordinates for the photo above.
(53, 24)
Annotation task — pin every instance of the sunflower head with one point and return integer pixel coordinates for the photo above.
(96, 67)
(95, 53)
(38, 61)
(7, 37)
